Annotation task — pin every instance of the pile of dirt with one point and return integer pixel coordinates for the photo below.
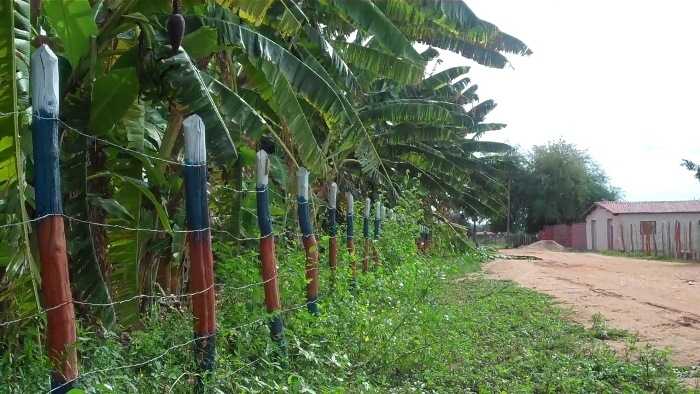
(545, 245)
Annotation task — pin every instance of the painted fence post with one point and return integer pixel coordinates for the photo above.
(333, 228)
(377, 219)
(377, 230)
(309, 241)
(350, 229)
(55, 281)
(201, 259)
(268, 258)
(365, 233)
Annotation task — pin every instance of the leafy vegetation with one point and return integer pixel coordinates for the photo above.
(555, 183)
(417, 322)
(338, 89)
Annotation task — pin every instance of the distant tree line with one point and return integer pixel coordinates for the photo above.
(551, 184)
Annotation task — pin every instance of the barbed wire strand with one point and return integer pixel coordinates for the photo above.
(221, 287)
(170, 349)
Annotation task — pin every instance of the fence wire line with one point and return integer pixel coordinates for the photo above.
(115, 145)
(221, 287)
(171, 348)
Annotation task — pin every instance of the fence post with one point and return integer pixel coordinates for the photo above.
(201, 259)
(377, 230)
(309, 241)
(365, 233)
(268, 259)
(350, 229)
(55, 281)
(377, 219)
(332, 227)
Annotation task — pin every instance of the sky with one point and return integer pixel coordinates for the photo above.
(619, 78)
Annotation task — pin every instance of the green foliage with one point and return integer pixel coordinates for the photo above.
(74, 23)
(19, 276)
(415, 322)
(112, 96)
(555, 184)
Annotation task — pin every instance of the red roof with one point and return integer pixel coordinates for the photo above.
(618, 207)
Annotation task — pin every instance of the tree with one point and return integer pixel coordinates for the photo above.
(553, 184)
(338, 86)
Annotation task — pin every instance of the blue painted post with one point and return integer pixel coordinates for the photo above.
(377, 230)
(309, 241)
(377, 219)
(332, 228)
(55, 281)
(365, 233)
(201, 258)
(268, 259)
(350, 229)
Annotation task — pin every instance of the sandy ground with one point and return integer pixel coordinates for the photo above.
(658, 300)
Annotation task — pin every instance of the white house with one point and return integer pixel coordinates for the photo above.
(664, 227)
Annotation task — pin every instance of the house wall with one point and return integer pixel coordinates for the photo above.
(569, 235)
(677, 234)
(601, 217)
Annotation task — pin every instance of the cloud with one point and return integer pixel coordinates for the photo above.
(619, 79)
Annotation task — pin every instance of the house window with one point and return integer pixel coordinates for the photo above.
(647, 227)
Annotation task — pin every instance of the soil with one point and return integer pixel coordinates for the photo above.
(660, 301)
(544, 245)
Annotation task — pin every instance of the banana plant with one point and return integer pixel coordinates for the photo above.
(19, 276)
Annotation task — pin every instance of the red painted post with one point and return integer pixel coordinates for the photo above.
(55, 281)
(333, 230)
(309, 241)
(201, 259)
(268, 259)
(349, 237)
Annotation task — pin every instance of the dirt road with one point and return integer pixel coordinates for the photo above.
(658, 300)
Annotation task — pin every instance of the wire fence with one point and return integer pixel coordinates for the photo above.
(175, 347)
(166, 297)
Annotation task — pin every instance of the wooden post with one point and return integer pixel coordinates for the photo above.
(377, 230)
(201, 259)
(377, 219)
(309, 241)
(332, 227)
(510, 185)
(268, 259)
(55, 281)
(350, 229)
(365, 233)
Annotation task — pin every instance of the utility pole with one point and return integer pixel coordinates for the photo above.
(510, 184)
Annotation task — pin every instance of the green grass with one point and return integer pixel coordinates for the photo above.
(642, 256)
(417, 324)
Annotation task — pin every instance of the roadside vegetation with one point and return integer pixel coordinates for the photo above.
(425, 323)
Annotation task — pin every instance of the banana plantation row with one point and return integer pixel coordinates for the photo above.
(105, 104)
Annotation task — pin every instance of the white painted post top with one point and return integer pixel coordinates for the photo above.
(44, 81)
(332, 194)
(350, 200)
(378, 210)
(262, 168)
(368, 206)
(303, 183)
(195, 140)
